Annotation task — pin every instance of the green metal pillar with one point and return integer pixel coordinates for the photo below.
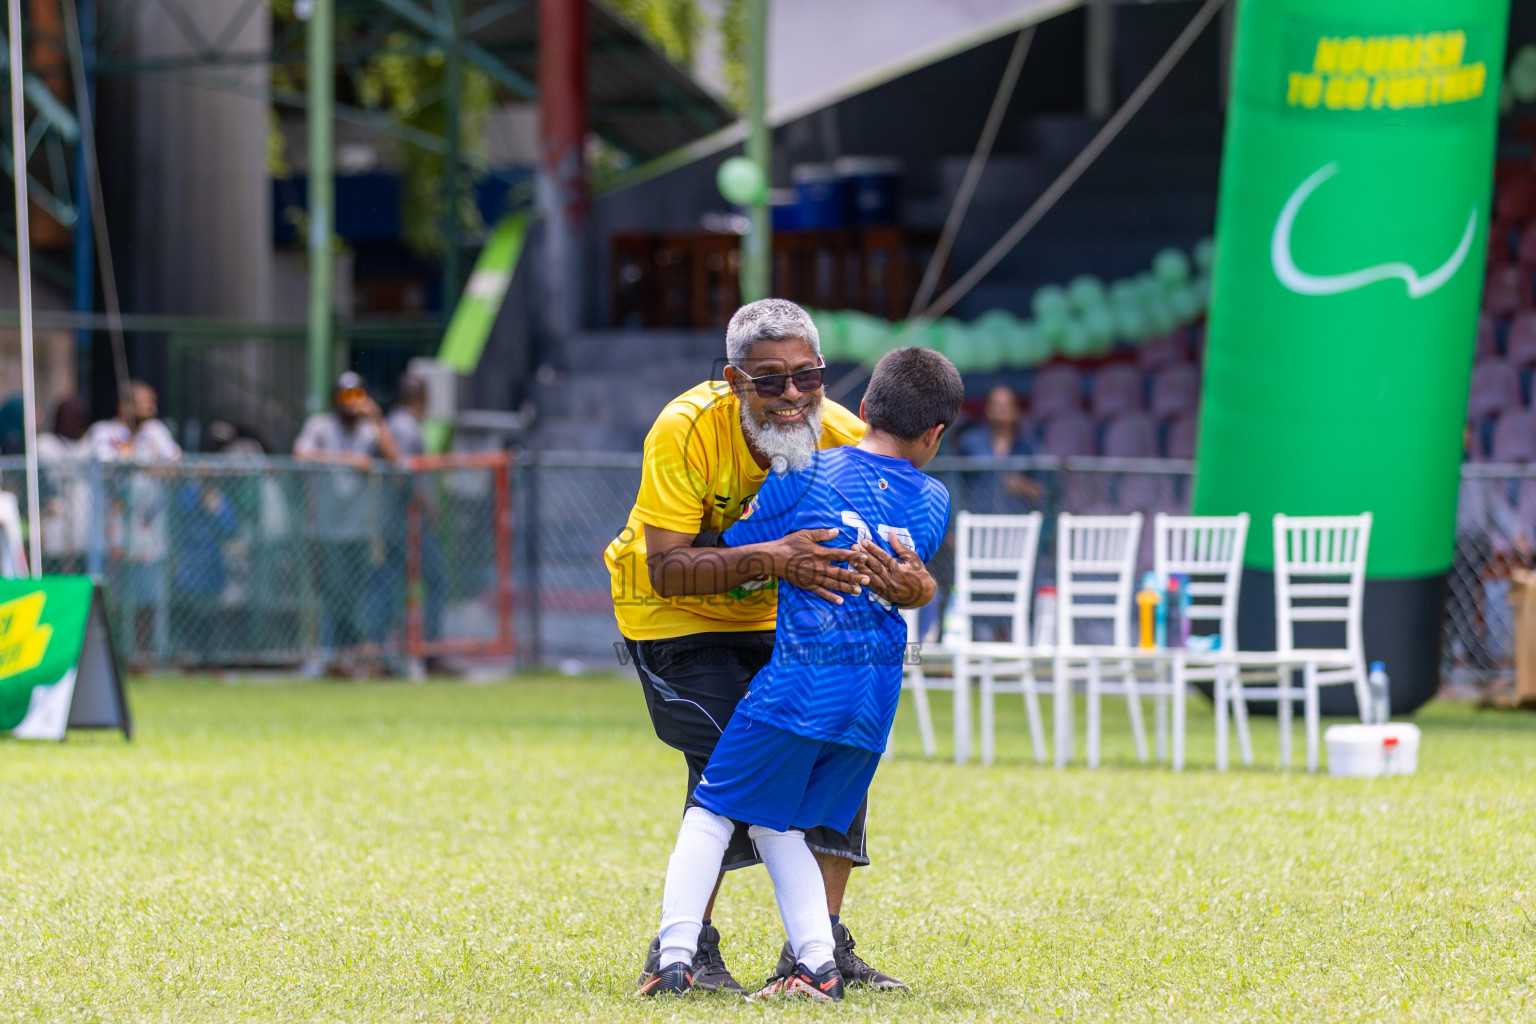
(757, 247)
(322, 198)
(452, 179)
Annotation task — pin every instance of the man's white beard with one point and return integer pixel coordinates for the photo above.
(787, 446)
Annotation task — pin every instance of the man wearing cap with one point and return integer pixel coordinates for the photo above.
(344, 526)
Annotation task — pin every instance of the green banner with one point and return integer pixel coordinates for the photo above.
(1350, 238)
(57, 667)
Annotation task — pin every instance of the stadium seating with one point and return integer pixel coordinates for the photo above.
(1163, 351)
(1069, 434)
(1495, 388)
(1520, 342)
(1487, 337)
(1117, 390)
(1181, 438)
(1514, 437)
(1132, 436)
(1175, 391)
(1058, 389)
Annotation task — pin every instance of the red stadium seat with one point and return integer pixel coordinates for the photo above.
(1514, 437)
(1181, 437)
(1487, 338)
(1116, 390)
(1133, 436)
(1164, 350)
(1520, 345)
(1175, 391)
(1058, 389)
(1506, 290)
(1068, 434)
(1515, 200)
(1495, 388)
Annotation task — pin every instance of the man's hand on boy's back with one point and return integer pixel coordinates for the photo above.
(903, 580)
(802, 559)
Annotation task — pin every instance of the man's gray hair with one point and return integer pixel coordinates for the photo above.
(768, 320)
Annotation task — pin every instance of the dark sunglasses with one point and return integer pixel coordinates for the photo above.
(771, 385)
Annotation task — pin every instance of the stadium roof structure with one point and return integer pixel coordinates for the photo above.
(641, 102)
(995, 23)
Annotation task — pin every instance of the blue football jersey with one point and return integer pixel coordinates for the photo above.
(836, 669)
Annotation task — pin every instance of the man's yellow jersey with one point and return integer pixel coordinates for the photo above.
(698, 477)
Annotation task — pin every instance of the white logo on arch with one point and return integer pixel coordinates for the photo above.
(1303, 283)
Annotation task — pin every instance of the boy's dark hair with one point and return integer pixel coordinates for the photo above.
(911, 390)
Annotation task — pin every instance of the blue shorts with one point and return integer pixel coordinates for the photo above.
(781, 780)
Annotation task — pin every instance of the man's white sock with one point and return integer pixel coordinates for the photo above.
(799, 890)
(691, 875)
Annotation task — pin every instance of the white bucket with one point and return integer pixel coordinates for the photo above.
(1366, 751)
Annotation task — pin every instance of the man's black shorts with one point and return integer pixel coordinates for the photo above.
(692, 685)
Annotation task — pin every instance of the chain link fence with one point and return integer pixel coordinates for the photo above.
(574, 504)
(240, 561)
(1495, 529)
(243, 561)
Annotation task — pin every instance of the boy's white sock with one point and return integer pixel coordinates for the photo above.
(801, 895)
(691, 875)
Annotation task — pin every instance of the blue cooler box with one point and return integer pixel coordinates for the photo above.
(821, 196)
(873, 184)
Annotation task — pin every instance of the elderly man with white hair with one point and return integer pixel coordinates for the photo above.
(698, 619)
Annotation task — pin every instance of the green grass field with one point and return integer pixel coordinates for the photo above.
(378, 852)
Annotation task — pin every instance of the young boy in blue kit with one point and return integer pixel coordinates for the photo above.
(805, 741)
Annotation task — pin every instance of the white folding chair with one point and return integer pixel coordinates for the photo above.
(1208, 551)
(994, 581)
(1319, 578)
(1095, 570)
(915, 678)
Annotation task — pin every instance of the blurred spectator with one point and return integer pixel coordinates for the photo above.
(224, 438)
(136, 528)
(999, 437)
(135, 432)
(354, 435)
(66, 489)
(405, 419)
(405, 424)
(71, 420)
(206, 522)
(345, 510)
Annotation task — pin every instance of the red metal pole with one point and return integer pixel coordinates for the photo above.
(413, 596)
(562, 183)
(503, 506)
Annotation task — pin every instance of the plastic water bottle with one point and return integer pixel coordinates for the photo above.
(1175, 625)
(1147, 600)
(1380, 688)
(1045, 617)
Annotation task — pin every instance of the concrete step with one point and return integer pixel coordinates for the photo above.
(618, 349)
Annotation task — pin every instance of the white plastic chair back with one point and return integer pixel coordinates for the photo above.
(995, 575)
(1095, 570)
(1320, 575)
(1208, 550)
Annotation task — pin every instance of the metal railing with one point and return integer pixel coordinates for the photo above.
(252, 560)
